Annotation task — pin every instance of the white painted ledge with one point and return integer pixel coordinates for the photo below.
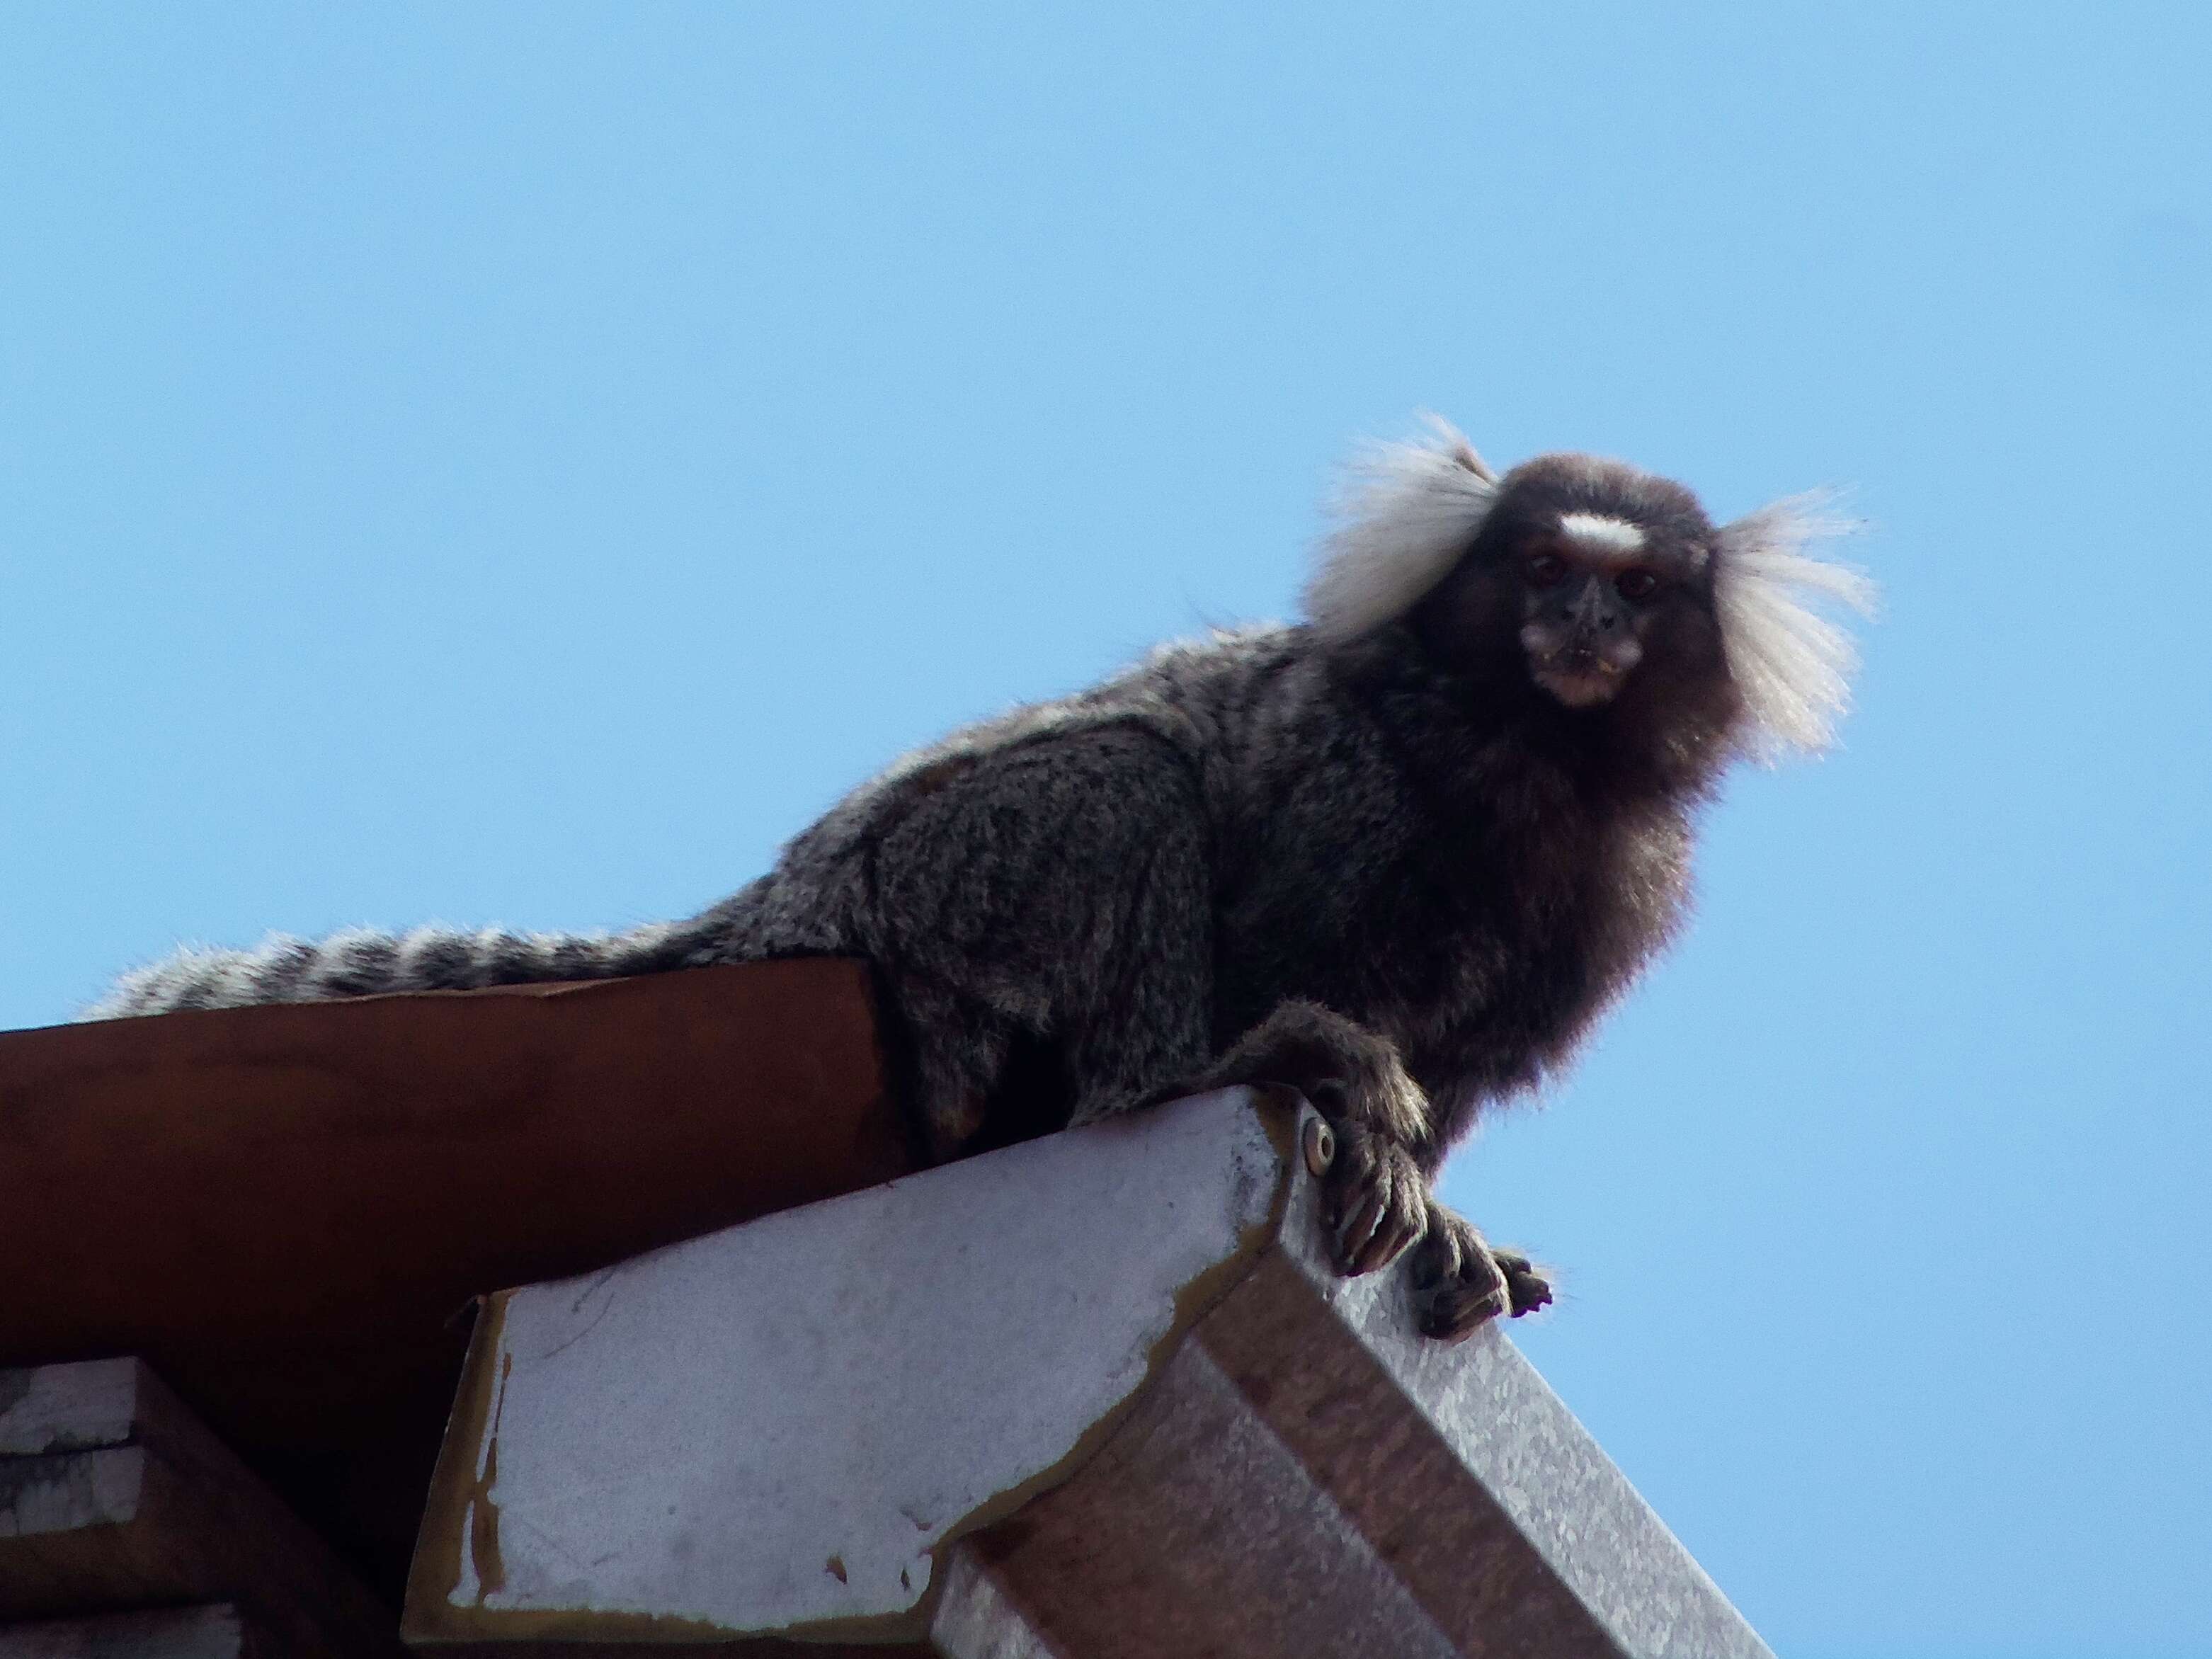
(1099, 1394)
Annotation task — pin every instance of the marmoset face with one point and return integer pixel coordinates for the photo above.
(1587, 577)
(1596, 588)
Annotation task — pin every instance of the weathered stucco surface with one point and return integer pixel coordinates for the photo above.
(1097, 1396)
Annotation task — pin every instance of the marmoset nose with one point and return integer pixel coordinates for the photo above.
(1596, 609)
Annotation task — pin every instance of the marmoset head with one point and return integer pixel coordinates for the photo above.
(1594, 567)
(1605, 588)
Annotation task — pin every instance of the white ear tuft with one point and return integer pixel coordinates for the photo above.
(1792, 664)
(1404, 515)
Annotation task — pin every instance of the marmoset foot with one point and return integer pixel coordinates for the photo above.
(1459, 1281)
(1378, 1198)
(1528, 1289)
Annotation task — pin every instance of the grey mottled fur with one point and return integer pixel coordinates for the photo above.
(1361, 854)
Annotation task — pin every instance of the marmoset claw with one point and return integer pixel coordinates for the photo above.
(1377, 1199)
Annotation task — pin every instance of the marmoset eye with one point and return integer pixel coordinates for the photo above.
(1637, 584)
(1545, 570)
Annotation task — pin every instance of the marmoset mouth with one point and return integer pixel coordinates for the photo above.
(1584, 684)
(1580, 675)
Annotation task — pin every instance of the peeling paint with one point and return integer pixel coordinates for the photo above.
(1279, 1110)
(485, 1559)
(1212, 1187)
(444, 1549)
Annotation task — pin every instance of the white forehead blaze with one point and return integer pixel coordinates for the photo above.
(1602, 533)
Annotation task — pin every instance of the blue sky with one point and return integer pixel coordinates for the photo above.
(518, 463)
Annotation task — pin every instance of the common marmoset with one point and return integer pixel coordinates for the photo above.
(1400, 855)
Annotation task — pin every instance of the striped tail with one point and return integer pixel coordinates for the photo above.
(362, 963)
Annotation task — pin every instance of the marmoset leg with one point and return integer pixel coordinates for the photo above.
(1040, 917)
(1379, 1199)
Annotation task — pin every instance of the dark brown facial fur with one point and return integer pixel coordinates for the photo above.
(1584, 632)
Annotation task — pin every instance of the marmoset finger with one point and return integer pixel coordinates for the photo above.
(1526, 1290)
(1400, 1229)
(1378, 1201)
(1455, 1309)
(1366, 1202)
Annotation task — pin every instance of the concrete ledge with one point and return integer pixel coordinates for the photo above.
(173, 1633)
(210, 1632)
(114, 1498)
(282, 1209)
(1096, 1395)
